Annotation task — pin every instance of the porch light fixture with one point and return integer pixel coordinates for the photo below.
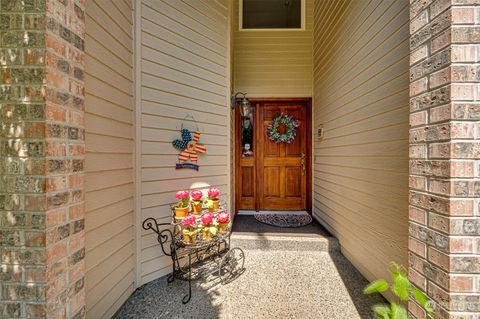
(245, 107)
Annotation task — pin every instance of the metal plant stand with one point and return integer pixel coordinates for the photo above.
(194, 261)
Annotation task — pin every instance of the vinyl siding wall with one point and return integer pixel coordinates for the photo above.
(274, 63)
(184, 70)
(109, 139)
(361, 81)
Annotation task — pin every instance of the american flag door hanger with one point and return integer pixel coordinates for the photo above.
(189, 148)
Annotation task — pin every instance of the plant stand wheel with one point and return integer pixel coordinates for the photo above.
(232, 265)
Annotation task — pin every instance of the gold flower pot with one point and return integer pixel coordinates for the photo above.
(190, 240)
(197, 208)
(215, 206)
(206, 235)
(181, 212)
(222, 227)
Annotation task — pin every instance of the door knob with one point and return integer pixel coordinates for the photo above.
(302, 162)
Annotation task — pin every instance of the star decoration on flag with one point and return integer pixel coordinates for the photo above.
(189, 146)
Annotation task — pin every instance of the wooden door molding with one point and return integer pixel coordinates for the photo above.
(248, 177)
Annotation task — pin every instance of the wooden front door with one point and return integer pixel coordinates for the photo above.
(270, 175)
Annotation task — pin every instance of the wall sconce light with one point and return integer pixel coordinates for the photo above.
(245, 106)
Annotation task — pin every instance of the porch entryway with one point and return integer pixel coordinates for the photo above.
(289, 273)
(273, 174)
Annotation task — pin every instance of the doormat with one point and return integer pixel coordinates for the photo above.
(284, 219)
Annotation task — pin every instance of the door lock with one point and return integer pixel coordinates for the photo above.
(302, 162)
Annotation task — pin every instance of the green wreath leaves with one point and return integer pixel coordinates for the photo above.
(291, 129)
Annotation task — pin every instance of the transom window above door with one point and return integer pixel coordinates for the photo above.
(264, 15)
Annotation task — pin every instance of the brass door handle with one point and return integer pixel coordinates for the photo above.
(302, 162)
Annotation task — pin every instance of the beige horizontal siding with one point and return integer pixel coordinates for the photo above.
(361, 61)
(109, 189)
(184, 70)
(274, 63)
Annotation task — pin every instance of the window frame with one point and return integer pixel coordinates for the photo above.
(302, 17)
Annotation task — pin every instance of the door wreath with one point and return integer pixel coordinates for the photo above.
(290, 124)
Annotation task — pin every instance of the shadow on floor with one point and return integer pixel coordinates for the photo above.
(352, 279)
(355, 282)
(158, 299)
(301, 281)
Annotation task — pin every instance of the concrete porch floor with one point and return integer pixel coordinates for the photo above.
(293, 273)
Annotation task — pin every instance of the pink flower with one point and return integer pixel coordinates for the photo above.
(189, 221)
(213, 193)
(182, 195)
(207, 218)
(196, 195)
(223, 217)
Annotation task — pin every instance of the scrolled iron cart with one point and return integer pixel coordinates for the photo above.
(200, 260)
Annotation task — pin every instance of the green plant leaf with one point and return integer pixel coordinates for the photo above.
(423, 300)
(398, 312)
(401, 285)
(381, 311)
(376, 286)
(419, 296)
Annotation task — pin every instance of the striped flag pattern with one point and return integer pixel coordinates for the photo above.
(191, 150)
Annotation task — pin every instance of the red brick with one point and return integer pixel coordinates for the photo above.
(77, 302)
(77, 242)
(417, 247)
(77, 212)
(464, 52)
(77, 271)
(419, 86)
(461, 245)
(418, 118)
(56, 287)
(417, 215)
(417, 279)
(418, 182)
(441, 41)
(461, 283)
(56, 45)
(440, 259)
(440, 113)
(35, 239)
(461, 207)
(56, 183)
(418, 151)
(439, 222)
(56, 149)
(76, 149)
(440, 78)
(54, 113)
(56, 217)
(56, 252)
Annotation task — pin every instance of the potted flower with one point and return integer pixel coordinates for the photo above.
(181, 209)
(213, 201)
(190, 229)
(196, 202)
(208, 228)
(223, 219)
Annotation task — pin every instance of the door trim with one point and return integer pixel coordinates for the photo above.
(237, 147)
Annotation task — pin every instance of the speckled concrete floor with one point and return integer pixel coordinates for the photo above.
(284, 277)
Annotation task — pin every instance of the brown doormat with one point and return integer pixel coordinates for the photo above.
(284, 219)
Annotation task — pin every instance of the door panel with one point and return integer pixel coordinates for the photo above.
(248, 181)
(293, 185)
(270, 175)
(282, 177)
(272, 186)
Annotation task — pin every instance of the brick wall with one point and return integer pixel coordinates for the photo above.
(444, 155)
(41, 163)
